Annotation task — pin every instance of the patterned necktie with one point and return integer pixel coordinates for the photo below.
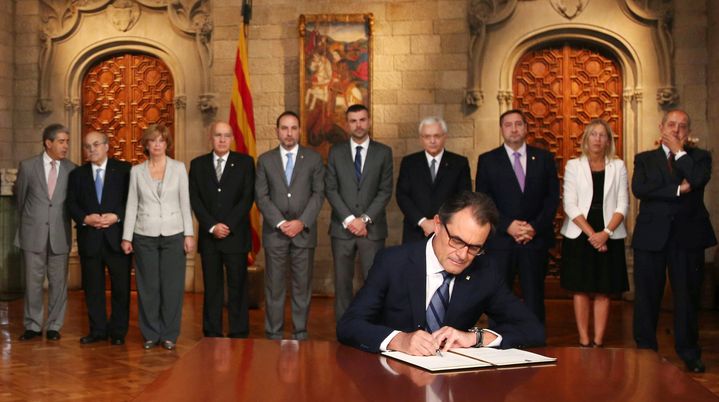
(289, 168)
(218, 168)
(52, 178)
(518, 171)
(438, 304)
(433, 169)
(358, 163)
(98, 185)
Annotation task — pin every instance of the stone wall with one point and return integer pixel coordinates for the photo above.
(420, 64)
(7, 56)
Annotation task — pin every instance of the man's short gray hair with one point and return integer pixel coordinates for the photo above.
(433, 120)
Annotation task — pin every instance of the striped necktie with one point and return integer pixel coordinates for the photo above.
(438, 304)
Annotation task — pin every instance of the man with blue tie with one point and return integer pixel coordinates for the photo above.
(522, 181)
(289, 191)
(97, 194)
(424, 296)
(359, 187)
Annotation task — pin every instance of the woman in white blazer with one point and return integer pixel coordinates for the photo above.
(158, 228)
(596, 200)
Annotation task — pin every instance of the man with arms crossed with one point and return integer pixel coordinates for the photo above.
(672, 231)
(96, 198)
(221, 195)
(359, 186)
(289, 190)
(425, 296)
(44, 231)
(427, 178)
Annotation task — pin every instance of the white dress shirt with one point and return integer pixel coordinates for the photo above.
(46, 159)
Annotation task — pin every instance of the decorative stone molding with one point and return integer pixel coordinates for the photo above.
(207, 104)
(180, 102)
(569, 8)
(8, 177)
(123, 14)
(60, 19)
(482, 14)
(71, 104)
(505, 99)
(659, 13)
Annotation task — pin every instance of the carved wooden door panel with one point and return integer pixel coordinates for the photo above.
(122, 95)
(561, 87)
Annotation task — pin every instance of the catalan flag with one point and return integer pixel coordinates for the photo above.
(242, 121)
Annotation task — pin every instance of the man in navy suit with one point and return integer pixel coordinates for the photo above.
(522, 181)
(96, 198)
(672, 230)
(423, 296)
(221, 193)
(427, 178)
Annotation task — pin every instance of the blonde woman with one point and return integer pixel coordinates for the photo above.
(595, 203)
(158, 228)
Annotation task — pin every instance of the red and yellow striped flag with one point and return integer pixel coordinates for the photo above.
(242, 121)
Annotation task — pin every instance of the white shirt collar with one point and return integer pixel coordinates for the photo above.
(102, 166)
(46, 159)
(432, 263)
(522, 150)
(666, 150)
(438, 157)
(354, 144)
(284, 151)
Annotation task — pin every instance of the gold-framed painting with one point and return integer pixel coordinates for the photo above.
(335, 73)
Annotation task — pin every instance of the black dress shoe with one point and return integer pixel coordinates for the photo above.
(117, 341)
(695, 366)
(29, 334)
(92, 339)
(149, 344)
(52, 335)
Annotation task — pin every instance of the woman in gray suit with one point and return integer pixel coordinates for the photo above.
(158, 228)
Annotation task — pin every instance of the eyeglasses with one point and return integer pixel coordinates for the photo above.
(458, 244)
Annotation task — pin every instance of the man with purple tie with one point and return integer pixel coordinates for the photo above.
(522, 181)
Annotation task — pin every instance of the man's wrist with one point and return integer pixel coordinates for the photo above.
(479, 336)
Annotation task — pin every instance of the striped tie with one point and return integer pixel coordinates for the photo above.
(438, 304)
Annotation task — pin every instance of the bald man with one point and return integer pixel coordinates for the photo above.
(96, 198)
(222, 185)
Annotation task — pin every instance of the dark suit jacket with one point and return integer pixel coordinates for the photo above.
(302, 199)
(418, 197)
(661, 212)
(393, 298)
(82, 201)
(39, 217)
(536, 205)
(227, 201)
(370, 196)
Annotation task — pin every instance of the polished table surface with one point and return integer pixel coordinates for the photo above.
(219, 369)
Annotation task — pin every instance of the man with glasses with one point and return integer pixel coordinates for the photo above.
(96, 200)
(427, 296)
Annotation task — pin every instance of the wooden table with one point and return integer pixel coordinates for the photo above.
(218, 369)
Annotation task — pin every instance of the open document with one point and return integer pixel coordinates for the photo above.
(472, 358)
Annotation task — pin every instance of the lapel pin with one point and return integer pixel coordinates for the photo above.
(533, 158)
(232, 165)
(466, 278)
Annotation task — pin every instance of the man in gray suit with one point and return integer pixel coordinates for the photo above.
(359, 186)
(289, 191)
(44, 231)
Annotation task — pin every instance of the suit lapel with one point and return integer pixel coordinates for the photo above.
(39, 172)
(418, 283)
(299, 162)
(278, 162)
(145, 174)
(369, 162)
(90, 179)
(442, 168)
(608, 177)
(457, 302)
(210, 164)
(348, 157)
(506, 164)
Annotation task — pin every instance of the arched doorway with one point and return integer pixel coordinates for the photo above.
(562, 86)
(124, 93)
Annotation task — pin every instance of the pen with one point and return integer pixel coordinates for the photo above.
(439, 353)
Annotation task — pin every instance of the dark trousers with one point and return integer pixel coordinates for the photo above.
(93, 283)
(160, 285)
(686, 272)
(214, 265)
(531, 265)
